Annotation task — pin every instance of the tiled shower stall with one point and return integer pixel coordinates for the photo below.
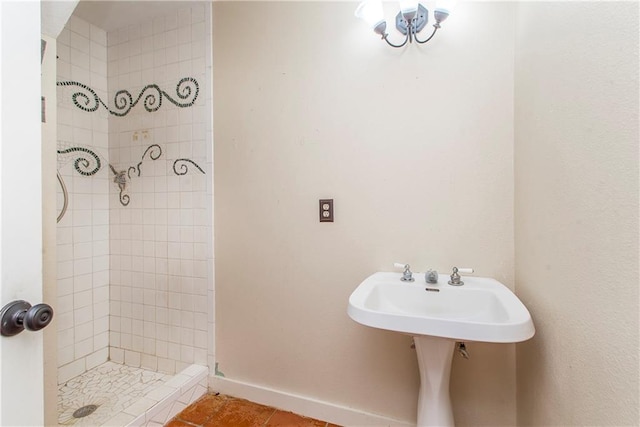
(135, 252)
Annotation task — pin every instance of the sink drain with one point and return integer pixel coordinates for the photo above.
(84, 411)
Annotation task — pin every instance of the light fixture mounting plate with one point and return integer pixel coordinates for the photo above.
(420, 20)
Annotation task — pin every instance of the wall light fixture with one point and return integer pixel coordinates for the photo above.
(411, 19)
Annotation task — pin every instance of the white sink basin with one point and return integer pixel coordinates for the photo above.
(482, 309)
(438, 315)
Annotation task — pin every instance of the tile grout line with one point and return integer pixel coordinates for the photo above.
(270, 416)
(211, 416)
(190, 423)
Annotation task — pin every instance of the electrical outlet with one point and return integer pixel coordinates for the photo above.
(326, 210)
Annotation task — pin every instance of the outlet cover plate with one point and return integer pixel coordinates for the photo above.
(326, 210)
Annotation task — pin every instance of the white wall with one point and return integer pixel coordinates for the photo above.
(576, 210)
(82, 311)
(49, 226)
(135, 282)
(416, 148)
(21, 202)
(160, 242)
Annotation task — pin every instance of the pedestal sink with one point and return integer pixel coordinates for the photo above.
(438, 315)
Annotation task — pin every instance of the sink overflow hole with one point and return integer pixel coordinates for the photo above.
(431, 290)
(84, 411)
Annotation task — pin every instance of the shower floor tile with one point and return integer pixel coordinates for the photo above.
(111, 387)
(217, 410)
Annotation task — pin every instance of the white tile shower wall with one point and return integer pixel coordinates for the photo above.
(160, 237)
(83, 232)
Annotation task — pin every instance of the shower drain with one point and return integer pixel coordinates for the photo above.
(84, 411)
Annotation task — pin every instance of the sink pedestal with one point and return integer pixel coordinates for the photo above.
(434, 361)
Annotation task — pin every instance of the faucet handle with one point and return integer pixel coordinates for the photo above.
(455, 275)
(407, 275)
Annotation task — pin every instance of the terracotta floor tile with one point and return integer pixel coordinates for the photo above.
(289, 419)
(202, 410)
(213, 410)
(240, 413)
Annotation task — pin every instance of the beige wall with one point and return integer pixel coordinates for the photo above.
(416, 148)
(576, 209)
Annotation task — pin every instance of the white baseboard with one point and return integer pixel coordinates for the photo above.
(302, 405)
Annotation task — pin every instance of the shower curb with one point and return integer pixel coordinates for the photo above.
(163, 403)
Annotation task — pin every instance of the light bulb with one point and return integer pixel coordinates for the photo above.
(370, 11)
(408, 6)
(408, 9)
(446, 6)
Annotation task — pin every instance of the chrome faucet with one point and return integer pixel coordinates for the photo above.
(407, 275)
(455, 276)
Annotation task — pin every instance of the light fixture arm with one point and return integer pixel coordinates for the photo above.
(385, 37)
(435, 29)
(381, 28)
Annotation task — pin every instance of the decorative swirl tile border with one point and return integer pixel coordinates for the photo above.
(184, 168)
(123, 100)
(83, 161)
(121, 178)
(82, 165)
(155, 148)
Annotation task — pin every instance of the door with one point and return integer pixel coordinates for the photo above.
(21, 356)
